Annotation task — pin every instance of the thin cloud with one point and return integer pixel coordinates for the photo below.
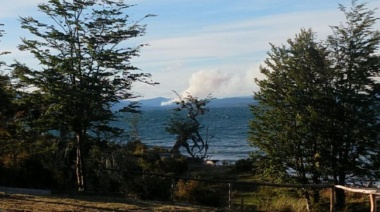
(237, 38)
(185, 43)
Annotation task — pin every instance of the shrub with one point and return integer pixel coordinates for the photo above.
(148, 187)
(153, 187)
(199, 193)
(243, 165)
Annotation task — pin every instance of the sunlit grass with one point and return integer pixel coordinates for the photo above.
(58, 203)
(285, 200)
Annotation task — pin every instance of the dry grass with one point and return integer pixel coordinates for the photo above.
(60, 203)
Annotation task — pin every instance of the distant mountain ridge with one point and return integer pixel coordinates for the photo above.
(161, 102)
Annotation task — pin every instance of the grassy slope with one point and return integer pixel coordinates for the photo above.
(18, 203)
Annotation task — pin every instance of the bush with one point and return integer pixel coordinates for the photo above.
(243, 165)
(148, 187)
(199, 193)
(163, 163)
(157, 161)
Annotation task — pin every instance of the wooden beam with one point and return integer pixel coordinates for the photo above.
(359, 190)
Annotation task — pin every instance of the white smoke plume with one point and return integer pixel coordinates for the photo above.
(218, 84)
(205, 82)
(169, 102)
(221, 84)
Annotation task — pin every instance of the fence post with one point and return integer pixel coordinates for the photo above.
(173, 190)
(242, 204)
(229, 196)
(372, 198)
(332, 199)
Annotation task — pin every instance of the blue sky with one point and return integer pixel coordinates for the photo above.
(202, 46)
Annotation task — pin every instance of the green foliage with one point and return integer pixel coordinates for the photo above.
(166, 164)
(243, 165)
(354, 124)
(317, 112)
(85, 69)
(2, 63)
(136, 147)
(117, 168)
(32, 164)
(157, 162)
(353, 50)
(200, 193)
(149, 187)
(290, 108)
(7, 95)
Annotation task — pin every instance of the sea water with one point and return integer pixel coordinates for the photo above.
(228, 127)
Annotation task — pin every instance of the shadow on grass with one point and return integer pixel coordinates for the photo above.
(70, 202)
(93, 203)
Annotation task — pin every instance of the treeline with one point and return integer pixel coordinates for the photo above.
(317, 113)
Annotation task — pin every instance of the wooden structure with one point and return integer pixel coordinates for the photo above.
(372, 192)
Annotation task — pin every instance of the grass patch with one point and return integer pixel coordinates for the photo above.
(244, 197)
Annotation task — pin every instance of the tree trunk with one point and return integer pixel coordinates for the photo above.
(340, 195)
(316, 196)
(175, 148)
(340, 198)
(316, 193)
(178, 144)
(79, 167)
(307, 198)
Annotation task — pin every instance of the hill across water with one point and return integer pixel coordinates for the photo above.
(165, 103)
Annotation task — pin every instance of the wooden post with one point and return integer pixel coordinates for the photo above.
(372, 198)
(332, 199)
(242, 204)
(173, 190)
(229, 196)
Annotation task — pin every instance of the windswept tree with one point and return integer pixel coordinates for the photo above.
(84, 53)
(186, 126)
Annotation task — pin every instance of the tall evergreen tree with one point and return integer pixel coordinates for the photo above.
(85, 67)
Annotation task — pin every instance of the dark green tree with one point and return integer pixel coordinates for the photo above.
(185, 125)
(6, 96)
(6, 105)
(84, 54)
(317, 112)
(354, 139)
(2, 63)
(289, 110)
